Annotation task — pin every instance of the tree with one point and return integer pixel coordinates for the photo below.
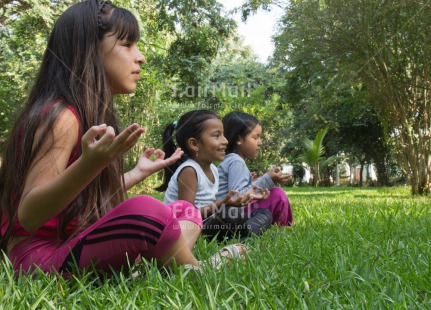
(179, 39)
(24, 26)
(244, 84)
(383, 45)
(319, 97)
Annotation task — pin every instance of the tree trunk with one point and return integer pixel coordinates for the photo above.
(417, 169)
(361, 172)
(354, 174)
(316, 180)
(350, 173)
(414, 159)
(382, 172)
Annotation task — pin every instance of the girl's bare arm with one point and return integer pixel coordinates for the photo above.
(187, 188)
(50, 187)
(187, 184)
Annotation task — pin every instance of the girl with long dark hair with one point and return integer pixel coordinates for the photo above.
(62, 187)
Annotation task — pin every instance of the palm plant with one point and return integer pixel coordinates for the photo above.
(313, 155)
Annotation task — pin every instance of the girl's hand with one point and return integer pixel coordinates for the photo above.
(277, 175)
(147, 167)
(234, 198)
(101, 152)
(257, 193)
(246, 199)
(255, 176)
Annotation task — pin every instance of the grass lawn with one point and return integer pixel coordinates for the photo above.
(350, 248)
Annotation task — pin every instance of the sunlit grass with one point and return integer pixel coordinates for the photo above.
(350, 248)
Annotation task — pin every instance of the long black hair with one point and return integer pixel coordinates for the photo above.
(71, 70)
(190, 125)
(237, 125)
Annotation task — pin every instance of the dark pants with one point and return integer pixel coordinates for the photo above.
(254, 218)
(231, 222)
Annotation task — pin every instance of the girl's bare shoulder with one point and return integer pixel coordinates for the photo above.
(187, 174)
(66, 126)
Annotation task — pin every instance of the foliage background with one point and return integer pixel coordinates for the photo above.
(361, 70)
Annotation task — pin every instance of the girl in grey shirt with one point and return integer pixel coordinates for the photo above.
(243, 132)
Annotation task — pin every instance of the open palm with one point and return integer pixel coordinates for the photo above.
(148, 166)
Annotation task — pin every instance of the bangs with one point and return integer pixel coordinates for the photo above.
(124, 25)
(250, 125)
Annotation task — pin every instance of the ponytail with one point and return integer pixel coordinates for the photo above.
(169, 148)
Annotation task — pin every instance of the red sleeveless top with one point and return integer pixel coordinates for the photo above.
(49, 229)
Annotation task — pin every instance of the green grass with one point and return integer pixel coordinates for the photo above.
(350, 248)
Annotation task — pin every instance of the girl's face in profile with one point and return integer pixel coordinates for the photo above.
(249, 146)
(122, 61)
